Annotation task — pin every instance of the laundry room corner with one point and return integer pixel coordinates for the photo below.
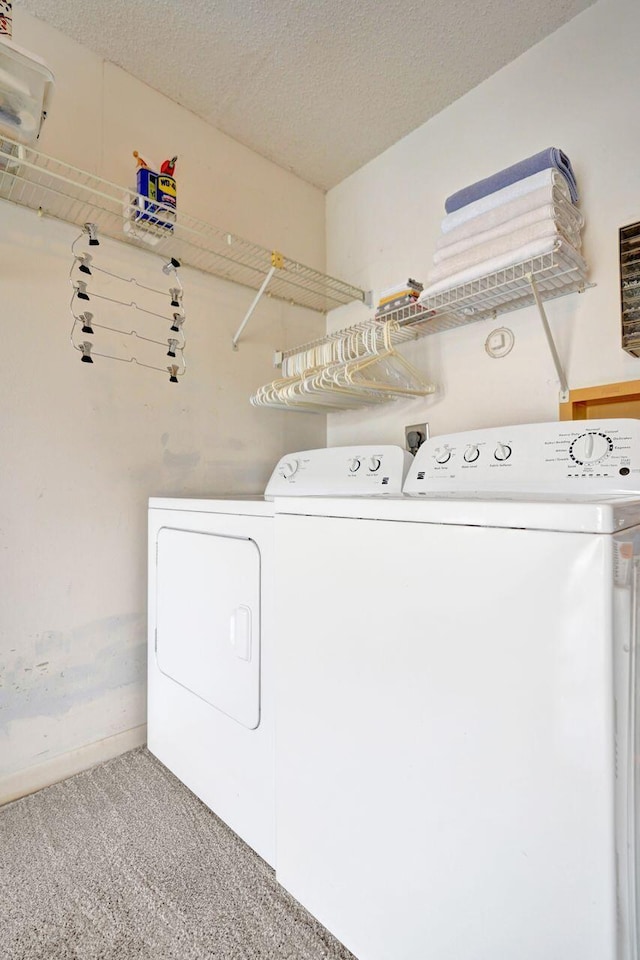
(383, 222)
(86, 445)
(320, 486)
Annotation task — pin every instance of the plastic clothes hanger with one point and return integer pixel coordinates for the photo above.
(334, 380)
(326, 387)
(387, 370)
(278, 395)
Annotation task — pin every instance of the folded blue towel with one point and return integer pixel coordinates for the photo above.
(552, 157)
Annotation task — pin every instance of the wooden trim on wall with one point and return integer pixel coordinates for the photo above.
(606, 393)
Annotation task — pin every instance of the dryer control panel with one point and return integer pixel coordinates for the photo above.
(357, 471)
(571, 457)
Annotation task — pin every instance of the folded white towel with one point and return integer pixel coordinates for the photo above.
(543, 196)
(546, 178)
(561, 213)
(494, 248)
(516, 255)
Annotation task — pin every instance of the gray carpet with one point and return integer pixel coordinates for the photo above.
(122, 862)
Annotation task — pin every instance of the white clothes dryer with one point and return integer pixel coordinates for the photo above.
(211, 626)
(458, 720)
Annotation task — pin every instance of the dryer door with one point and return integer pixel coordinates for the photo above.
(208, 619)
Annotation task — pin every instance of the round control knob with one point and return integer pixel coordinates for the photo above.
(443, 456)
(502, 452)
(374, 464)
(288, 469)
(471, 454)
(354, 464)
(590, 447)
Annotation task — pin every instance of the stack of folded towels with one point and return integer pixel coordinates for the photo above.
(518, 213)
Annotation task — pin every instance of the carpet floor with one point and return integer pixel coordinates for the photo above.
(122, 862)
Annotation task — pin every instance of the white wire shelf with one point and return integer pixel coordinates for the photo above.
(56, 189)
(560, 272)
(315, 375)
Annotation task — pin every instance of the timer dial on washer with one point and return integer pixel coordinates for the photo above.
(590, 447)
(472, 453)
(288, 469)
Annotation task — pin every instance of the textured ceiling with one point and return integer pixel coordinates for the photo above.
(318, 86)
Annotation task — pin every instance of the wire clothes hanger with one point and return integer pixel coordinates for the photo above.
(175, 344)
(88, 323)
(84, 260)
(81, 291)
(84, 263)
(87, 348)
(87, 351)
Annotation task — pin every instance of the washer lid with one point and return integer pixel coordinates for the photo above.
(518, 511)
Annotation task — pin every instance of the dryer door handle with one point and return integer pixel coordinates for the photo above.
(240, 632)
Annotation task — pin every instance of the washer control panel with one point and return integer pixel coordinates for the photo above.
(358, 471)
(577, 456)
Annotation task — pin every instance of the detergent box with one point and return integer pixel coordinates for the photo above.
(157, 203)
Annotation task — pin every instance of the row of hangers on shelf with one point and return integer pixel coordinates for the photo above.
(84, 321)
(359, 340)
(364, 369)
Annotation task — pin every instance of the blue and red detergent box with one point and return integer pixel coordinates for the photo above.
(158, 195)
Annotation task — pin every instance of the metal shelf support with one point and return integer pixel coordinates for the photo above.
(277, 263)
(564, 386)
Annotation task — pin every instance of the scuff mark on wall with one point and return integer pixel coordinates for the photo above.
(181, 461)
(114, 656)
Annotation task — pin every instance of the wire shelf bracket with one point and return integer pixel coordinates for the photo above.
(562, 377)
(277, 263)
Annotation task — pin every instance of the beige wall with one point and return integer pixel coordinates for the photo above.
(577, 90)
(85, 446)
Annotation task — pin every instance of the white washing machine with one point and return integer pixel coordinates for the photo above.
(458, 701)
(211, 630)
